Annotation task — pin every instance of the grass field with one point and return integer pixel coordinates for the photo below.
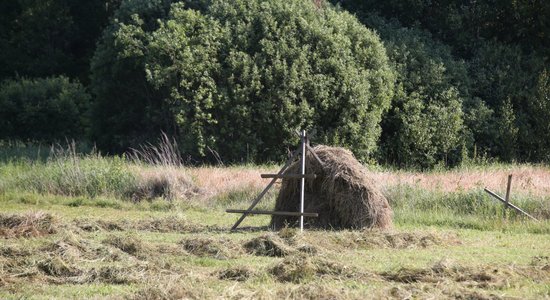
(96, 227)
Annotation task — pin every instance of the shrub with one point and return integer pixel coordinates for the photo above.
(239, 77)
(513, 85)
(425, 123)
(44, 109)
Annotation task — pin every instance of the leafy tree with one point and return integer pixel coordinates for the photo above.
(44, 109)
(240, 76)
(425, 123)
(506, 79)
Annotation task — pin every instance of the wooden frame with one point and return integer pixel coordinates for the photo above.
(304, 146)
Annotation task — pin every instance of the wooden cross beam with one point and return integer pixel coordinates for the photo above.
(506, 200)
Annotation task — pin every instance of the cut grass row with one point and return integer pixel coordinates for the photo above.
(148, 257)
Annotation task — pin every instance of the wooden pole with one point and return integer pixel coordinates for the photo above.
(303, 183)
(255, 202)
(507, 198)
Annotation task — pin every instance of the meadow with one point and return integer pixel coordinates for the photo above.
(91, 226)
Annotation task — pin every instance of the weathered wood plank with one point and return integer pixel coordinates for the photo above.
(269, 212)
(290, 176)
(509, 204)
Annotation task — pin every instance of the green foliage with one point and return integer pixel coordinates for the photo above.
(45, 109)
(425, 123)
(508, 82)
(40, 38)
(240, 76)
(505, 48)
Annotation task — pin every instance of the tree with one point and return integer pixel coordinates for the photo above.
(44, 109)
(240, 77)
(425, 124)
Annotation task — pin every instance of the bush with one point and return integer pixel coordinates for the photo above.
(425, 123)
(513, 85)
(239, 77)
(44, 109)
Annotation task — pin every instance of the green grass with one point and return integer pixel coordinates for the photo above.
(468, 228)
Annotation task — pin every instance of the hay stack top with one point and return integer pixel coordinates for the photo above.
(342, 193)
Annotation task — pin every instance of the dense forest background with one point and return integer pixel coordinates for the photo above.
(410, 83)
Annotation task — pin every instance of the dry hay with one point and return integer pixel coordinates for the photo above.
(10, 251)
(283, 244)
(221, 248)
(31, 224)
(171, 288)
(90, 225)
(448, 280)
(268, 245)
(394, 240)
(129, 244)
(315, 291)
(57, 267)
(163, 225)
(300, 268)
(167, 183)
(343, 193)
(240, 273)
(484, 277)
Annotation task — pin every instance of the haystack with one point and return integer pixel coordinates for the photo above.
(342, 194)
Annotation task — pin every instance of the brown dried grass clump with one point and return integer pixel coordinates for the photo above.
(240, 273)
(209, 247)
(301, 268)
(32, 224)
(470, 277)
(173, 287)
(343, 193)
(129, 244)
(395, 240)
(57, 267)
(268, 245)
(168, 183)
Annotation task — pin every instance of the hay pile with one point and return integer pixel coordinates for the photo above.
(342, 194)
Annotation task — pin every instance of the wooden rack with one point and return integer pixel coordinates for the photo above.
(304, 146)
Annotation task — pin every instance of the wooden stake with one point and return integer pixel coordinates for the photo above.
(507, 198)
(303, 183)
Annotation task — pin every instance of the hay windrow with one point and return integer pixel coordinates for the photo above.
(171, 288)
(10, 251)
(486, 277)
(394, 240)
(240, 273)
(163, 225)
(27, 225)
(221, 248)
(57, 267)
(268, 245)
(129, 244)
(343, 194)
(301, 268)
